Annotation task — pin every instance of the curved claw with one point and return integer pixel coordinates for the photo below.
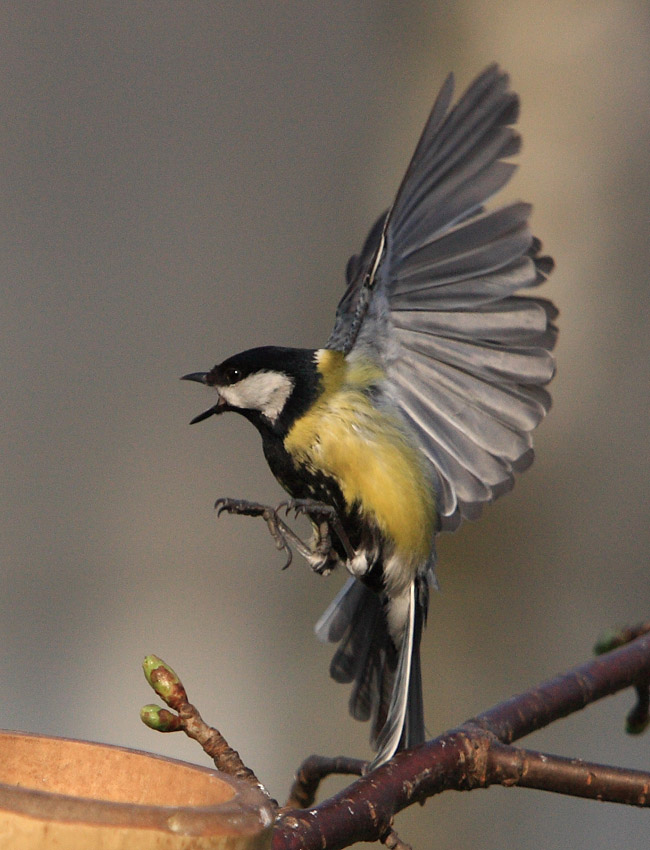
(298, 506)
(287, 549)
(299, 509)
(286, 505)
(278, 536)
(220, 506)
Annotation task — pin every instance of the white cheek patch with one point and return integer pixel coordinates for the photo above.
(264, 391)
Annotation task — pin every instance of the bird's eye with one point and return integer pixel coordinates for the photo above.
(233, 375)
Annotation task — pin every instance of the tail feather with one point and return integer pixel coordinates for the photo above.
(338, 615)
(414, 732)
(350, 620)
(387, 681)
(374, 675)
(394, 728)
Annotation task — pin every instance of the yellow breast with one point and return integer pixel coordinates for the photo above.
(369, 454)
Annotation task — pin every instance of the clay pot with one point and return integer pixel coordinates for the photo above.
(66, 794)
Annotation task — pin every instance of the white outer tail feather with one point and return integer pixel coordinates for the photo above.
(388, 741)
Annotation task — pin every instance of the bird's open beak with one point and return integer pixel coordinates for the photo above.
(200, 378)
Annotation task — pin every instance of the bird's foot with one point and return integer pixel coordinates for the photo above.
(325, 519)
(279, 530)
(320, 557)
(240, 506)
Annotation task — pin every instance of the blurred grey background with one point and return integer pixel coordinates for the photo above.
(184, 180)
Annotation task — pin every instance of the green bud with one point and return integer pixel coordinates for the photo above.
(159, 719)
(164, 681)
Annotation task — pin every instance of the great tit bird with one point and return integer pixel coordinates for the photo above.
(419, 408)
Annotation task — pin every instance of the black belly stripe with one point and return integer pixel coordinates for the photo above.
(304, 482)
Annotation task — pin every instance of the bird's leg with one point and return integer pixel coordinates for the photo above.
(325, 520)
(280, 532)
(322, 558)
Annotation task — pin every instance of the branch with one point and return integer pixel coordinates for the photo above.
(565, 694)
(167, 684)
(475, 755)
(512, 766)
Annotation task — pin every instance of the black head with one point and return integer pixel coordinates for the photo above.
(270, 386)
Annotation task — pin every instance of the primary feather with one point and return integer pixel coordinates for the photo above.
(464, 356)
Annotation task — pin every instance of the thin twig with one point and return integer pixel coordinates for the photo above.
(312, 772)
(215, 745)
(167, 684)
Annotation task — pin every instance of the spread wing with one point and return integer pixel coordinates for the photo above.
(432, 296)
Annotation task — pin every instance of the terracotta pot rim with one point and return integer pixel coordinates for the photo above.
(245, 812)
